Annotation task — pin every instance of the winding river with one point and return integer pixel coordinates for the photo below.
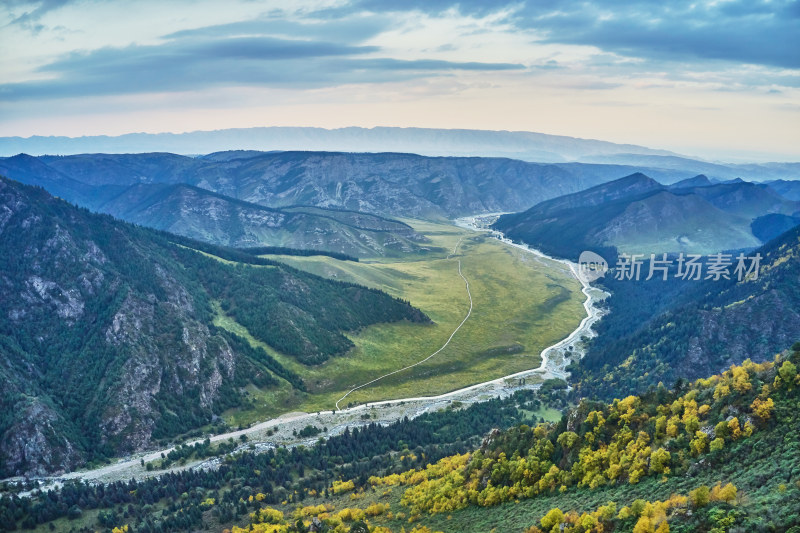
(281, 430)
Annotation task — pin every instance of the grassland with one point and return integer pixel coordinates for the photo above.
(521, 305)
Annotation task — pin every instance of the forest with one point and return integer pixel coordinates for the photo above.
(174, 501)
(737, 428)
(661, 331)
(110, 343)
(712, 455)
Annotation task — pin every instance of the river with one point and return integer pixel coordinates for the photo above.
(554, 360)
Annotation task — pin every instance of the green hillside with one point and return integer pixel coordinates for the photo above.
(660, 331)
(695, 459)
(108, 344)
(719, 454)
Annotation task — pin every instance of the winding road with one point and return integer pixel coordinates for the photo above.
(469, 294)
(281, 431)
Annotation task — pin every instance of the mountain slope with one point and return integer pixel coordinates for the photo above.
(788, 189)
(661, 331)
(768, 227)
(33, 171)
(718, 453)
(385, 184)
(634, 185)
(699, 458)
(390, 184)
(107, 342)
(125, 169)
(700, 180)
(664, 222)
(634, 214)
(203, 215)
(746, 199)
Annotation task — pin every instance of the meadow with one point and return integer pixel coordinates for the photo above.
(522, 304)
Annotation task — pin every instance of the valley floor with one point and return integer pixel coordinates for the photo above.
(522, 302)
(485, 261)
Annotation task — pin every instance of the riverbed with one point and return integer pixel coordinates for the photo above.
(281, 431)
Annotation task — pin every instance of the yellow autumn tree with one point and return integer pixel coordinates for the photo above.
(723, 494)
(699, 443)
(734, 431)
(568, 439)
(661, 427)
(700, 496)
(660, 461)
(787, 374)
(741, 379)
(553, 519)
(267, 515)
(644, 525)
(762, 408)
(721, 390)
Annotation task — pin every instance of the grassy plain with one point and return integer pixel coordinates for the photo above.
(521, 305)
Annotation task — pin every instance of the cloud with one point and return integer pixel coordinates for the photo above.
(30, 19)
(192, 61)
(767, 44)
(696, 42)
(354, 29)
(550, 64)
(763, 32)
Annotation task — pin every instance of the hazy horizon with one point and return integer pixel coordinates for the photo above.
(716, 80)
(720, 157)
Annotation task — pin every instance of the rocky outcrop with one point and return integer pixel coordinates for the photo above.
(107, 340)
(36, 444)
(153, 343)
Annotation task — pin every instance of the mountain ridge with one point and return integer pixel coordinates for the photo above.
(204, 215)
(107, 341)
(636, 214)
(659, 331)
(457, 142)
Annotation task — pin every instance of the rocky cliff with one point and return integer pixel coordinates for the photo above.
(106, 335)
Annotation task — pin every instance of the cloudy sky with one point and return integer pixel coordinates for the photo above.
(719, 79)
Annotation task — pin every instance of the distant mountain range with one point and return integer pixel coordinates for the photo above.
(716, 171)
(787, 189)
(107, 339)
(523, 145)
(148, 191)
(636, 214)
(390, 184)
(381, 184)
(252, 198)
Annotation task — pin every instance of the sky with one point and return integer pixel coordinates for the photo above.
(715, 79)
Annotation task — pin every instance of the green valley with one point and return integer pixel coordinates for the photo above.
(522, 304)
(349, 266)
(107, 343)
